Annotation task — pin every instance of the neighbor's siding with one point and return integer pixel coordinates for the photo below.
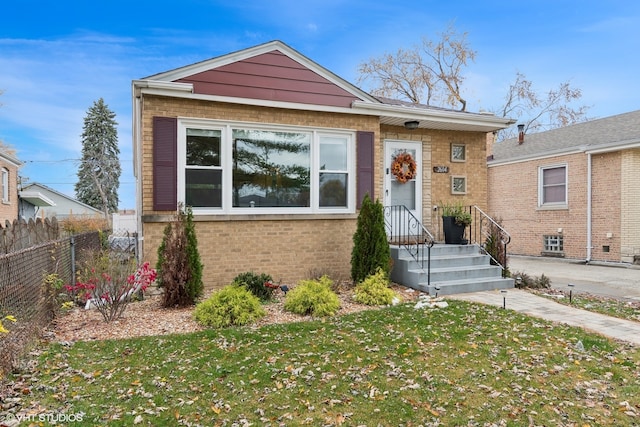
(9, 210)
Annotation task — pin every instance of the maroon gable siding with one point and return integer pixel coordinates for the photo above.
(271, 76)
(165, 168)
(364, 166)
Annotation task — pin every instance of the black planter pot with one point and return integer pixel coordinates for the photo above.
(453, 233)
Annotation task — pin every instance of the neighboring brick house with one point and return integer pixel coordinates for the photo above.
(274, 153)
(9, 166)
(571, 192)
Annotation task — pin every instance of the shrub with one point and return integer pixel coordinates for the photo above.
(370, 246)
(179, 267)
(313, 297)
(255, 284)
(108, 283)
(523, 281)
(374, 290)
(232, 305)
(542, 282)
(494, 246)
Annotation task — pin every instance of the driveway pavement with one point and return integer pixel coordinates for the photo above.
(614, 280)
(618, 281)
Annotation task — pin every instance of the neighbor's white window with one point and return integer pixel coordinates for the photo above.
(552, 186)
(5, 185)
(235, 168)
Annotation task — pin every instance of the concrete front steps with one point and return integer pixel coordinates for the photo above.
(455, 269)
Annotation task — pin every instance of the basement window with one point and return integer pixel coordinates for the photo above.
(553, 245)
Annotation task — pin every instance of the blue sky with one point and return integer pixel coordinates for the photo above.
(58, 57)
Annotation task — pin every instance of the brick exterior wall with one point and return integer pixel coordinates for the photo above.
(9, 210)
(630, 199)
(292, 247)
(513, 198)
(436, 187)
(288, 247)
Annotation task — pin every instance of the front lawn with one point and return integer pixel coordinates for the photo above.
(464, 365)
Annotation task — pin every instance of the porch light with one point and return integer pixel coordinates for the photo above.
(411, 125)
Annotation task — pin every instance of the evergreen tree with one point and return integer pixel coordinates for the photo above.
(370, 246)
(99, 172)
(179, 267)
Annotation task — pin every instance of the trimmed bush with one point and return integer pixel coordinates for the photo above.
(370, 246)
(232, 305)
(374, 290)
(313, 297)
(254, 283)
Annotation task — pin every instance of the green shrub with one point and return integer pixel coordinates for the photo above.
(313, 297)
(524, 281)
(179, 267)
(370, 245)
(254, 283)
(232, 305)
(374, 290)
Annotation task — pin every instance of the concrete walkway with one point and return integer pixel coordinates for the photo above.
(545, 308)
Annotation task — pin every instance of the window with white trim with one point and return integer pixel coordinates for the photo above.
(5, 185)
(237, 168)
(552, 186)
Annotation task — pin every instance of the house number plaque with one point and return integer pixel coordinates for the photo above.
(441, 169)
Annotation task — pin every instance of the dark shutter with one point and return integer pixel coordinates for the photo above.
(364, 166)
(165, 167)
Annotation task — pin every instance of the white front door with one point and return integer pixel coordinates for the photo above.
(399, 191)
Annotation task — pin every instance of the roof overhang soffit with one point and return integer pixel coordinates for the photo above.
(434, 118)
(388, 114)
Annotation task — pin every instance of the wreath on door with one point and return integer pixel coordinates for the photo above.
(404, 167)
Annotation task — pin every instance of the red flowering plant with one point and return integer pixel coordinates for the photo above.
(109, 283)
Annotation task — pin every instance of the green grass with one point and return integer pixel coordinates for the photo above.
(629, 310)
(467, 364)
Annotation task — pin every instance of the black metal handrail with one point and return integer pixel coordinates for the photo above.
(486, 232)
(406, 231)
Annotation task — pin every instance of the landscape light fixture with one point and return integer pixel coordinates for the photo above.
(571, 285)
(437, 289)
(411, 124)
(504, 298)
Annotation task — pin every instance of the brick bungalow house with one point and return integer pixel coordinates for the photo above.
(9, 166)
(571, 192)
(274, 154)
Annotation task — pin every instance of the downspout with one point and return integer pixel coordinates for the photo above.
(589, 208)
(137, 165)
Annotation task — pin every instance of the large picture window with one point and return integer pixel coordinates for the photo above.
(552, 191)
(231, 168)
(271, 169)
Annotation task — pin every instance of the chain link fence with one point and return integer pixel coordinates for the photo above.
(24, 295)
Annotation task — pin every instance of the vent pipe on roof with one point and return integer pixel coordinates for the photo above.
(520, 134)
